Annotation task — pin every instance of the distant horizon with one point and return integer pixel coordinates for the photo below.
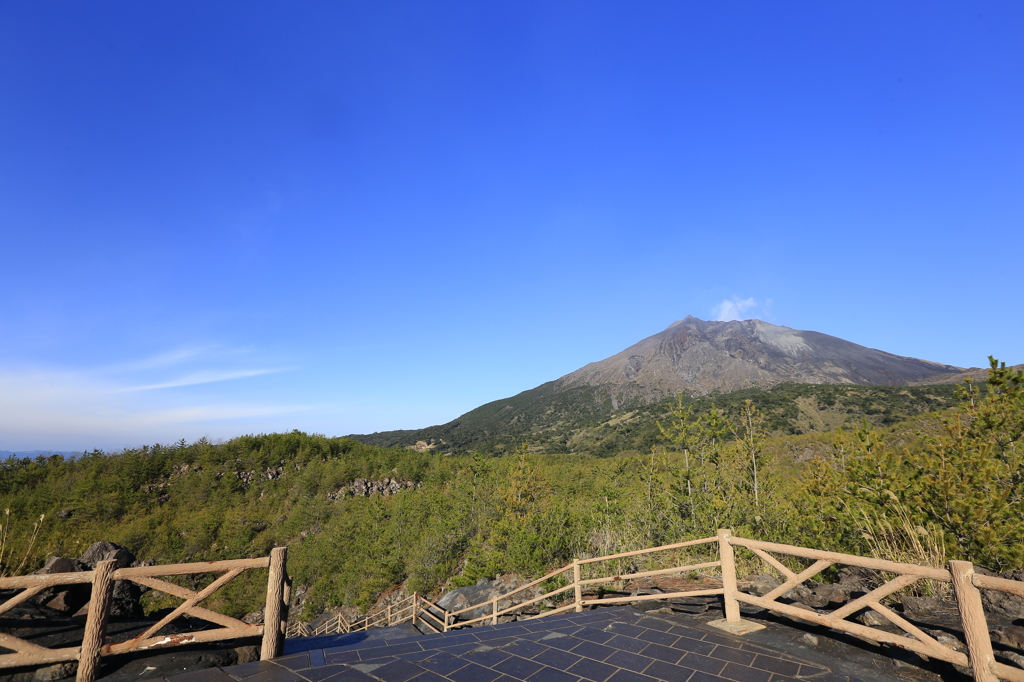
(115, 449)
(227, 218)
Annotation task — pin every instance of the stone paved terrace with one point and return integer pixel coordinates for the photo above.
(604, 645)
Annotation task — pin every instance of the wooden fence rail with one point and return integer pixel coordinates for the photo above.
(102, 579)
(896, 576)
(569, 580)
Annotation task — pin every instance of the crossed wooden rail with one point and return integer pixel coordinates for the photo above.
(417, 609)
(966, 583)
(102, 579)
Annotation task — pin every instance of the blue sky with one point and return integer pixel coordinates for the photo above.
(225, 218)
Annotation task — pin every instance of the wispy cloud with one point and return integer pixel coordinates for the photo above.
(124, 404)
(204, 378)
(737, 308)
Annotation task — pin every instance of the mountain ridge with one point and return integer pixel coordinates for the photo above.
(700, 357)
(692, 357)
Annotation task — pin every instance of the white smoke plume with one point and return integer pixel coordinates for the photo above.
(734, 308)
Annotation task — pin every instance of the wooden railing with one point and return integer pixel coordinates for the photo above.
(102, 580)
(577, 585)
(416, 609)
(965, 583)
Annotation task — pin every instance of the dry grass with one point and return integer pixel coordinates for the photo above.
(7, 553)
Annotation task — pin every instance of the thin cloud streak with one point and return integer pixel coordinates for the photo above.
(62, 409)
(204, 378)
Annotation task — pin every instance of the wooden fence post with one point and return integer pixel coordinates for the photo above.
(272, 639)
(415, 598)
(96, 622)
(494, 611)
(728, 557)
(972, 617)
(576, 581)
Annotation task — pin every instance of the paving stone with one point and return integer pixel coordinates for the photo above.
(518, 667)
(727, 653)
(629, 676)
(624, 659)
(722, 639)
(776, 665)
(605, 645)
(592, 670)
(696, 646)
(444, 664)
(341, 657)
(316, 658)
(488, 658)
(742, 673)
(274, 675)
(321, 673)
(428, 677)
(655, 624)
(294, 661)
(566, 643)
(474, 673)
(668, 672)
(808, 670)
(525, 649)
(244, 670)
(552, 675)
(684, 631)
(598, 652)
(660, 637)
(556, 658)
(662, 653)
(594, 635)
(350, 675)
(703, 663)
(415, 656)
(397, 671)
(627, 644)
(624, 629)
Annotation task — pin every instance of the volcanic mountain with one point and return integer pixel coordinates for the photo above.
(692, 357)
(698, 358)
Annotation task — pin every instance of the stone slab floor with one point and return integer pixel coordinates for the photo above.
(604, 645)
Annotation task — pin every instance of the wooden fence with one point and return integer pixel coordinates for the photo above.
(102, 581)
(569, 595)
(965, 582)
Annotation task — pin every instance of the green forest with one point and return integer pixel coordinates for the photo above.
(932, 476)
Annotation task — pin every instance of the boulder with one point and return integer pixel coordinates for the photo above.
(1003, 603)
(827, 596)
(873, 619)
(59, 564)
(484, 591)
(67, 598)
(126, 594)
(918, 608)
(858, 579)
(1010, 635)
(760, 585)
(103, 551)
(58, 671)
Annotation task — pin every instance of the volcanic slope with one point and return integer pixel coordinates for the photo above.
(696, 358)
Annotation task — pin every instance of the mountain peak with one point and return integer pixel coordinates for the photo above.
(699, 357)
